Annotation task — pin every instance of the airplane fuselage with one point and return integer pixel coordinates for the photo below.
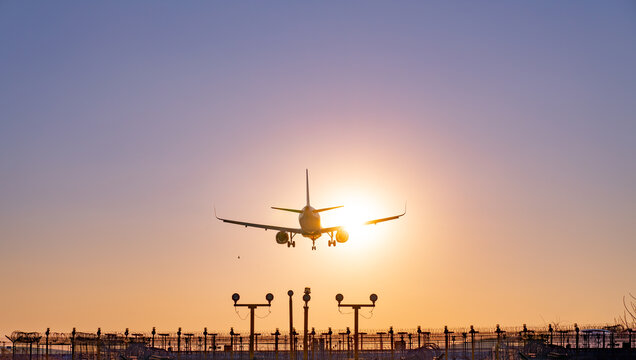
(309, 221)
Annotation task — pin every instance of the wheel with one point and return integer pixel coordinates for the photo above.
(288, 244)
(313, 247)
(293, 243)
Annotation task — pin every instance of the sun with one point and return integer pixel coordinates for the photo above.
(352, 216)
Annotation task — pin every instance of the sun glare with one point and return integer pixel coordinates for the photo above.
(353, 215)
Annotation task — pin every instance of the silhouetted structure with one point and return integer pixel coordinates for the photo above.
(486, 343)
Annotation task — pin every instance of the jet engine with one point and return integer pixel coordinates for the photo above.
(282, 237)
(342, 236)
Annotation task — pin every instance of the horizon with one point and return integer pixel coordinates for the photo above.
(507, 127)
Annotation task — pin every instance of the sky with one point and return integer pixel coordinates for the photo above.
(507, 127)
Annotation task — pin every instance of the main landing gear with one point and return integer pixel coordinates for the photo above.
(331, 242)
(291, 242)
(313, 244)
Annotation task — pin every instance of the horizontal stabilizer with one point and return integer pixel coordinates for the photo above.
(329, 208)
(290, 210)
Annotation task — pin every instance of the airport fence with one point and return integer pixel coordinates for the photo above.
(470, 343)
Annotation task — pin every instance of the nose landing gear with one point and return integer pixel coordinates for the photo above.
(291, 243)
(313, 244)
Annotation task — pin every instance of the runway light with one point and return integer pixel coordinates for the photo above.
(339, 298)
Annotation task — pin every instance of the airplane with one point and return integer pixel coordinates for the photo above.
(309, 221)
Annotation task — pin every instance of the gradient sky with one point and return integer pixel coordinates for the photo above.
(508, 127)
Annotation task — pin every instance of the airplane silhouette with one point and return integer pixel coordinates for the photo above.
(309, 220)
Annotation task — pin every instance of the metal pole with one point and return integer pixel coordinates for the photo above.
(48, 331)
(231, 343)
(472, 342)
(213, 346)
(419, 335)
(392, 342)
(205, 343)
(355, 332)
(178, 343)
(73, 344)
(576, 328)
(99, 343)
(291, 326)
(276, 334)
(305, 332)
(446, 332)
(252, 331)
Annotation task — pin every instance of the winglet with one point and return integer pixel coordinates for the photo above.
(215, 212)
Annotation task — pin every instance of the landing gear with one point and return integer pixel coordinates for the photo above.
(332, 241)
(313, 244)
(291, 242)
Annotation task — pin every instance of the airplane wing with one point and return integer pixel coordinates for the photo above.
(336, 228)
(260, 226)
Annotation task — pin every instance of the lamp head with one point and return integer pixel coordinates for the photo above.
(339, 298)
(290, 293)
(269, 297)
(373, 298)
(306, 297)
(235, 297)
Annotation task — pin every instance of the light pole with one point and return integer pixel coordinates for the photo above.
(356, 308)
(290, 293)
(73, 344)
(99, 343)
(499, 333)
(576, 328)
(328, 342)
(276, 335)
(47, 333)
(306, 298)
(235, 297)
(205, 343)
(392, 342)
(472, 341)
(446, 339)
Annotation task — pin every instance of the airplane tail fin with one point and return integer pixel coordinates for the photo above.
(307, 181)
(329, 208)
(285, 209)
